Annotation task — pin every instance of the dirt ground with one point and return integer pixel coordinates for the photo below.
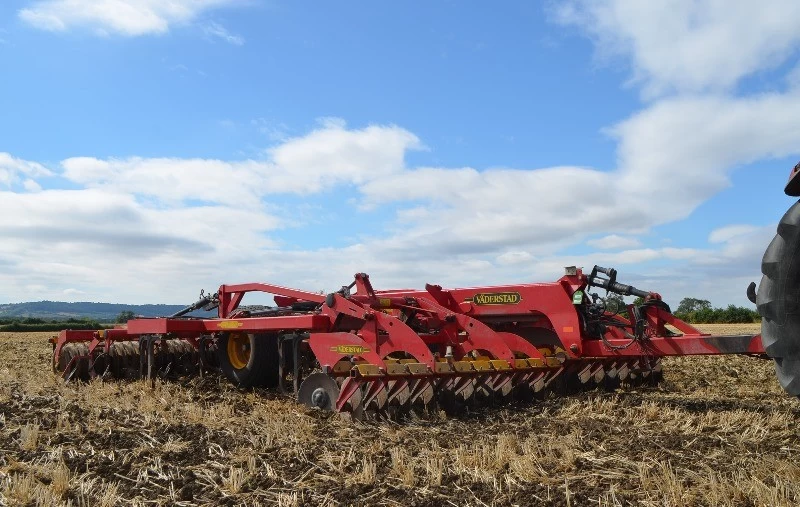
(718, 431)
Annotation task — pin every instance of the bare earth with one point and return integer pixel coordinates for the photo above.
(719, 431)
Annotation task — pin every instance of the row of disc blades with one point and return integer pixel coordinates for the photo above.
(123, 360)
(398, 399)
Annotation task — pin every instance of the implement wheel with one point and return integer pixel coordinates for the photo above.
(249, 360)
(778, 301)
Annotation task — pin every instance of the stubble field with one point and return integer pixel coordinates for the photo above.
(718, 431)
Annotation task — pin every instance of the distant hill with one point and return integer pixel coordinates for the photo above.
(101, 312)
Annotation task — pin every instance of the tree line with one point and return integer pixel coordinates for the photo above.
(695, 311)
(37, 324)
(700, 311)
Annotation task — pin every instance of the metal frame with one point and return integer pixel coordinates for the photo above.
(386, 345)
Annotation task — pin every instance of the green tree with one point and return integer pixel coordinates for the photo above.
(690, 305)
(125, 316)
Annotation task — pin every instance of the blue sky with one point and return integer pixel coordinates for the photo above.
(148, 150)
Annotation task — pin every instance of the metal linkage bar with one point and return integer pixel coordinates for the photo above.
(194, 328)
(685, 345)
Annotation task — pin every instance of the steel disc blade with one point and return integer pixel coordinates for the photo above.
(398, 392)
(319, 390)
(599, 373)
(355, 406)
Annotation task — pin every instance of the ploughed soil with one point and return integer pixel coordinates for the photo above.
(717, 431)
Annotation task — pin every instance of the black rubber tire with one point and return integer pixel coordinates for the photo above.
(262, 367)
(778, 301)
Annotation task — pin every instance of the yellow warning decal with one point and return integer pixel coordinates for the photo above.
(385, 302)
(229, 324)
(497, 298)
(349, 349)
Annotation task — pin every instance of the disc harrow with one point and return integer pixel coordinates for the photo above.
(407, 353)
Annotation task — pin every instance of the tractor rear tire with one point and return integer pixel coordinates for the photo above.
(249, 360)
(778, 301)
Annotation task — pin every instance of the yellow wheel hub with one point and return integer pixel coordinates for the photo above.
(238, 350)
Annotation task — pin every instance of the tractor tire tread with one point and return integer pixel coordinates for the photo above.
(777, 300)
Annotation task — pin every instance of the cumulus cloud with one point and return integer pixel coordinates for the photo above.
(672, 156)
(332, 154)
(135, 224)
(124, 17)
(322, 159)
(467, 210)
(13, 169)
(614, 242)
(721, 272)
(730, 232)
(112, 246)
(688, 45)
(514, 257)
(173, 180)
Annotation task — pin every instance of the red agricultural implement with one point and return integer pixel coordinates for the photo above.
(366, 352)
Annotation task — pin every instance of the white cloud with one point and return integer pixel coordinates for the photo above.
(689, 45)
(332, 155)
(727, 233)
(213, 29)
(614, 242)
(113, 246)
(138, 229)
(628, 258)
(679, 151)
(672, 156)
(322, 159)
(174, 180)
(740, 247)
(124, 17)
(11, 169)
(635, 256)
(514, 257)
(136, 225)
(722, 272)
(31, 186)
